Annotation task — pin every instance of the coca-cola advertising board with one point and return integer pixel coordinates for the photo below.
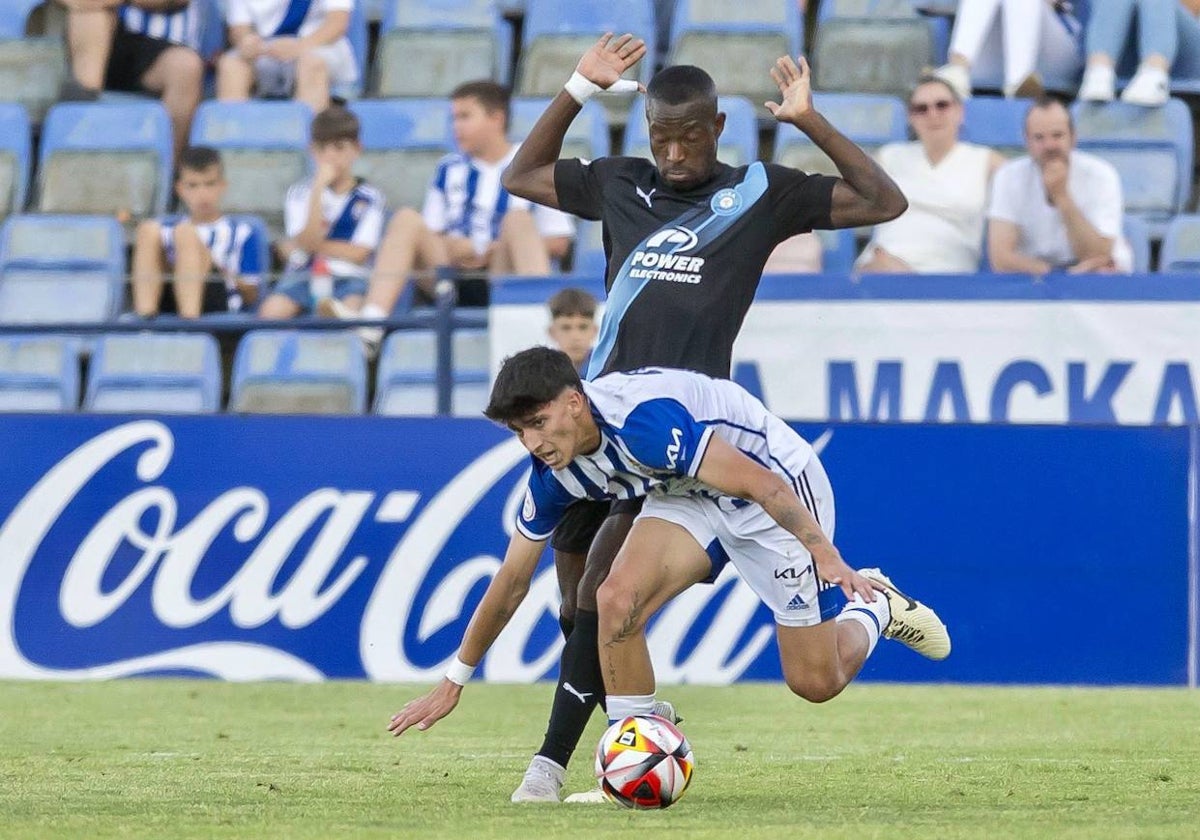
(303, 548)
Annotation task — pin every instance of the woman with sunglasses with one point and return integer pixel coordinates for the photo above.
(946, 183)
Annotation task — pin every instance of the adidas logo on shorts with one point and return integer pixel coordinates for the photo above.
(797, 603)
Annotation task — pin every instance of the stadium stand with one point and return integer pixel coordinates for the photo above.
(558, 32)
(32, 69)
(429, 47)
(1181, 244)
(294, 372)
(996, 122)
(1151, 149)
(1137, 234)
(738, 145)
(14, 157)
(61, 269)
(105, 157)
(589, 249)
(838, 250)
(161, 373)
(737, 42)
(402, 140)
(264, 149)
(359, 37)
(39, 373)
(406, 382)
(587, 137)
(873, 46)
(867, 119)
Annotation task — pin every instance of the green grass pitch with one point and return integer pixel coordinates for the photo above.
(183, 759)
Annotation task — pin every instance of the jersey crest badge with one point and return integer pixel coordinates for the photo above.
(726, 202)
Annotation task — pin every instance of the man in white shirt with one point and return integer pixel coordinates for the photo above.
(1057, 207)
(286, 48)
(469, 221)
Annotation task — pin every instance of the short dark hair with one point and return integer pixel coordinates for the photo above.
(527, 381)
(572, 301)
(682, 84)
(1048, 101)
(197, 159)
(335, 123)
(492, 96)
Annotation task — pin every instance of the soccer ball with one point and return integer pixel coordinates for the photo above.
(644, 762)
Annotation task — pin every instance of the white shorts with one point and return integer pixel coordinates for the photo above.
(278, 78)
(770, 560)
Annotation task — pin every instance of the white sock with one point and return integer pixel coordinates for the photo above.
(873, 617)
(621, 706)
(374, 312)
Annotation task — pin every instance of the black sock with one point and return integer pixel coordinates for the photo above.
(580, 688)
(566, 625)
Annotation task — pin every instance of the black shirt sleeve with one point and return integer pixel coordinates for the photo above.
(580, 186)
(801, 202)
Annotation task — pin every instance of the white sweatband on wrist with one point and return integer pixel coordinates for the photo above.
(581, 88)
(459, 672)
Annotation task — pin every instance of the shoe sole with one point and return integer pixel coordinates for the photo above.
(934, 639)
(587, 797)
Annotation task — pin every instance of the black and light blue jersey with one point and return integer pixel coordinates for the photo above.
(655, 426)
(683, 266)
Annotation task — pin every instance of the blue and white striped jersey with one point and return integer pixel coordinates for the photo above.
(356, 217)
(467, 199)
(235, 248)
(655, 426)
(182, 27)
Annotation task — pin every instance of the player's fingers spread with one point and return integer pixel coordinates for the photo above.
(604, 39)
(618, 44)
(803, 69)
(778, 79)
(772, 107)
(791, 65)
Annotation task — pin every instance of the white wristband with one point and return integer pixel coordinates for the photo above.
(459, 672)
(581, 89)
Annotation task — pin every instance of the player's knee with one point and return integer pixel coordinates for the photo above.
(312, 65)
(815, 687)
(618, 609)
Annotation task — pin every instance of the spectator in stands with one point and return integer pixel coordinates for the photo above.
(145, 46)
(195, 246)
(946, 183)
(333, 224)
(1168, 41)
(573, 327)
(469, 221)
(1031, 34)
(1057, 207)
(282, 48)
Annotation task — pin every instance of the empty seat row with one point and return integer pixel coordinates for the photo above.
(274, 372)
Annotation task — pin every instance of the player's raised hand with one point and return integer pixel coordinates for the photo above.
(831, 568)
(609, 57)
(425, 711)
(795, 89)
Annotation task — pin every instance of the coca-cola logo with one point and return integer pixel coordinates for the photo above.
(138, 561)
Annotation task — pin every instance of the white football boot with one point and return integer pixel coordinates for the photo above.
(595, 796)
(912, 623)
(543, 780)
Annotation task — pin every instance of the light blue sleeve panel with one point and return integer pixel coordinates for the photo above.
(663, 435)
(545, 501)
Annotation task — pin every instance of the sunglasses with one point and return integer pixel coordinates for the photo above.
(922, 108)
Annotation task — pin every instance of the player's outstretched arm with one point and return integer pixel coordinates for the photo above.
(730, 471)
(866, 195)
(531, 173)
(504, 594)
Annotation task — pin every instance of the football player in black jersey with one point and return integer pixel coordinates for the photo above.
(686, 239)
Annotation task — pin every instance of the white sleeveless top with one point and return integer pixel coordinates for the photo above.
(942, 230)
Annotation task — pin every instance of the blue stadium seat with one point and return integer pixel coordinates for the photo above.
(39, 373)
(1151, 149)
(31, 69)
(738, 145)
(154, 372)
(996, 122)
(407, 382)
(838, 251)
(359, 38)
(106, 157)
(869, 120)
(403, 140)
(558, 32)
(14, 157)
(587, 137)
(61, 269)
(737, 42)
(1181, 244)
(264, 148)
(429, 47)
(1137, 234)
(294, 372)
(589, 256)
(874, 46)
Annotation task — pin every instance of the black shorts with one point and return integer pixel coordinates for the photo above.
(578, 526)
(132, 55)
(215, 298)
